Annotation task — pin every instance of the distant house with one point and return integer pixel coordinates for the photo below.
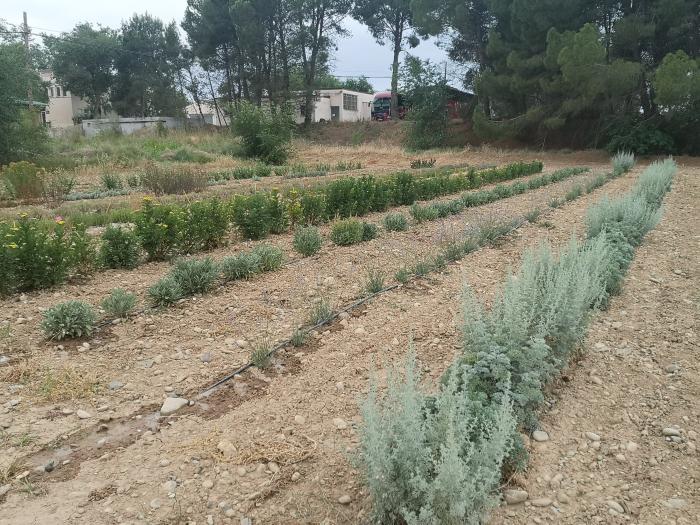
(63, 107)
(206, 113)
(336, 105)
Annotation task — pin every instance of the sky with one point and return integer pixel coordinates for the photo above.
(356, 55)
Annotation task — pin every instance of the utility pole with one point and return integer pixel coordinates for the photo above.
(29, 62)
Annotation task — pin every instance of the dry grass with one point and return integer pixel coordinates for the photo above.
(53, 385)
(283, 452)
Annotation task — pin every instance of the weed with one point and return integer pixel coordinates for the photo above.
(395, 222)
(307, 240)
(271, 257)
(533, 215)
(453, 251)
(374, 282)
(119, 303)
(23, 180)
(260, 356)
(111, 182)
(69, 319)
(555, 203)
(195, 276)
(422, 268)
(298, 338)
(119, 248)
(165, 292)
(241, 266)
(133, 181)
(321, 312)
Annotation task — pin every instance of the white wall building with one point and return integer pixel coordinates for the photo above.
(209, 115)
(63, 106)
(337, 105)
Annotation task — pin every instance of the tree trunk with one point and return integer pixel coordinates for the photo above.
(398, 36)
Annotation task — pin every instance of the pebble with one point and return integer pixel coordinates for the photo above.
(340, 424)
(631, 446)
(82, 414)
(675, 503)
(299, 420)
(115, 385)
(4, 489)
(596, 380)
(205, 357)
(172, 405)
(170, 486)
(273, 467)
(671, 431)
(164, 462)
(343, 315)
(614, 505)
(241, 471)
(360, 331)
(296, 476)
(207, 484)
(541, 502)
(540, 436)
(515, 496)
(344, 499)
(672, 369)
(592, 436)
(226, 448)
(155, 503)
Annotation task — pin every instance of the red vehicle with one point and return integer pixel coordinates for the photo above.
(381, 106)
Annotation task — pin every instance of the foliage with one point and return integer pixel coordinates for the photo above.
(298, 338)
(35, 255)
(157, 226)
(195, 276)
(271, 257)
(260, 356)
(167, 180)
(23, 180)
(69, 319)
(265, 133)
(119, 248)
(374, 282)
(347, 231)
(622, 161)
(203, 225)
(307, 240)
(321, 313)
(241, 266)
(165, 292)
(119, 303)
(395, 222)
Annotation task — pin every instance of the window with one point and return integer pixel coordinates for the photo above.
(58, 91)
(51, 92)
(349, 102)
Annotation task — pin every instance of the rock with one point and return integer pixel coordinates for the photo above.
(344, 499)
(66, 411)
(614, 505)
(4, 489)
(299, 420)
(115, 385)
(541, 502)
(563, 497)
(164, 462)
(540, 436)
(360, 331)
(631, 446)
(671, 431)
(170, 486)
(296, 476)
(592, 436)
(675, 503)
(49, 466)
(672, 369)
(226, 448)
(273, 467)
(207, 484)
(229, 513)
(101, 442)
(241, 471)
(246, 521)
(515, 496)
(4, 360)
(82, 414)
(340, 424)
(620, 457)
(596, 380)
(155, 503)
(343, 315)
(556, 480)
(172, 405)
(205, 357)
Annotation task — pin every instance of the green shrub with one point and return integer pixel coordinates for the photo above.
(251, 214)
(533, 215)
(23, 180)
(241, 266)
(165, 292)
(119, 303)
(271, 257)
(111, 181)
(119, 249)
(298, 338)
(395, 222)
(307, 240)
(158, 229)
(374, 282)
(203, 225)
(423, 213)
(369, 231)
(622, 161)
(347, 231)
(321, 312)
(69, 319)
(265, 133)
(195, 276)
(166, 180)
(402, 275)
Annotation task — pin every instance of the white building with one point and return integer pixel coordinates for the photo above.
(209, 114)
(337, 105)
(63, 106)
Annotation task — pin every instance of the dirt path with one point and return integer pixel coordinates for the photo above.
(624, 430)
(278, 446)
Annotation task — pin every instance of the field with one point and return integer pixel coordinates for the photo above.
(83, 433)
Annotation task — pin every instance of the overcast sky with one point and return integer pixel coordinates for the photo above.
(357, 55)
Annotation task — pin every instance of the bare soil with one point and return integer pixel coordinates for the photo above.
(277, 445)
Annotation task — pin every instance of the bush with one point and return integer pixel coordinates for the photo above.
(347, 231)
(241, 266)
(251, 214)
(369, 231)
(158, 229)
(270, 257)
(111, 181)
(166, 180)
(375, 282)
(23, 180)
(119, 248)
(265, 133)
(623, 161)
(69, 319)
(203, 225)
(165, 292)
(395, 222)
(423, 213)
(119, 303)
(320, 313)
(307, 240)
(195, 276)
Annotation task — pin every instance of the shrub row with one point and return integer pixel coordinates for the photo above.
(439, 458)
(437, 210)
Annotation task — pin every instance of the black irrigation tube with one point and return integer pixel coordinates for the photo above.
(517, 223)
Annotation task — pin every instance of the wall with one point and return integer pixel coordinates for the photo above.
(62, 109)
(127, 126)
(364, 101)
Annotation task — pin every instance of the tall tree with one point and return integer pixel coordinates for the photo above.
(388, 21)
(83, 61)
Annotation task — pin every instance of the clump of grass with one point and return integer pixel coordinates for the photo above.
(307, 240)
(402, 275)
(622, 161)
(395, 222)
(422, 268)
(195, 276)
(66, 384)
(321, 312)
(574, 193)
(69, 319)
(595, 183)
(165, 292)
(375, 282)
(241, 266)
(271, 257)
(555, 203)
(298, 338)
(111, 181)
(119, 303)
(533, 215)
(260, 356)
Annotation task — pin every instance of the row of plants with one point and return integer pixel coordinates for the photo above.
(467, 200)
(439, 458)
